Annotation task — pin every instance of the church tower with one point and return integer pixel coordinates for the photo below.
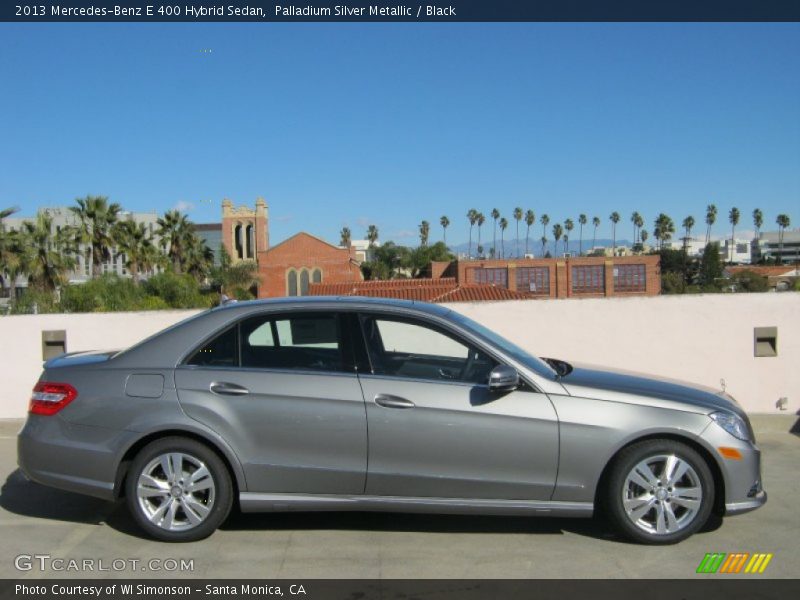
(245, 232)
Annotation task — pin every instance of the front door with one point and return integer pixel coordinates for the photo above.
(282, 390)
(435, 430)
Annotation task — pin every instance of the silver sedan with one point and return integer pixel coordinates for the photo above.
(355, 404)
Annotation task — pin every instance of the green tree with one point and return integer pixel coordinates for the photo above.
(372, 235)
(517, 217)
(783, 222)
(614, 220)
(417, 261)
(749, 281)
(15, 259)
(688, 223)
(545, 221)
(568, 227)
(635, 217)
(530, 219)
(445, 223)
(495, 216)
(643, 236)
(96, 219)
(711, 217)
(503, 226)
(595, 224)
(424, 232)
(663, 229)
(237, 280)
(51, 252)
(581, 221)
(733, 218)
(345, 237)
(710, 267)
(758, 221)
(480, 220)
(133, 243)
(174, 229)
(558, 231)
(472, 217)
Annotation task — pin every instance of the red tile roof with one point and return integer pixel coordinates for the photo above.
(764, 270)
(445, 289)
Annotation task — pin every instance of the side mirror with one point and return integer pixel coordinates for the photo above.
(503, 379)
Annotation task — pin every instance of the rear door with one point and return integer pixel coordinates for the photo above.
(435, 430)
(282, 390)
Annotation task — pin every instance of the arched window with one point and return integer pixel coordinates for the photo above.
(316, 276)
(304, 282)
(291, 283)
(248, 235)
(237, 241)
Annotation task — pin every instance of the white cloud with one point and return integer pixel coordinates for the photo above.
(183, 206)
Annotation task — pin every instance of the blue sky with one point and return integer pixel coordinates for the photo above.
(391, 124)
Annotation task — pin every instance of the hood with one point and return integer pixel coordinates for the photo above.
(76, 359)
(607, 384)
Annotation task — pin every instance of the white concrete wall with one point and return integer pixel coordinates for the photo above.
(695, 338)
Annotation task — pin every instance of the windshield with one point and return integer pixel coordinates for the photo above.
(534, 363)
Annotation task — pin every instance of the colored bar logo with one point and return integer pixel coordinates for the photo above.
(735, 562)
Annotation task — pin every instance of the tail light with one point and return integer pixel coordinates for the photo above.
(49, 398)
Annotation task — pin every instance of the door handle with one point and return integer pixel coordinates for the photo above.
(224, 388)
(389, 401)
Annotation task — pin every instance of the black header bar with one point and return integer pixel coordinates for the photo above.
(340, 11)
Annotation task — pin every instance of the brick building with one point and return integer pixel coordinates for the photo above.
(583, 277)
(289, 268)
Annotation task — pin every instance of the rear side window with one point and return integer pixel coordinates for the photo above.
(222, 351)
(304, 341)
(309, 342)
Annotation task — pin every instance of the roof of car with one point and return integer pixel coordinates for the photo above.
(344, 301)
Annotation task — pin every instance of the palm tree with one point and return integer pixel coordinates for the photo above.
(733, 217)
(424, 231)
(635, 216)
(173, 230)
(688, 223)
(783, 222)
(472, 217)
(663, 230)
(581, 222)
(711, 216)
(545, 221)
(517, 217)
(51, 253)
(642, 237)
(530, 219)
(568, 226)
(758, 221)
(345, 237)
(230, 277)
(132, 240)
(595, 224)
(614, 220)
(445, 223)
(480, 220)
(503, 225)
(544, 243)
(15, 259)
(557, 233)
(7, 212)
(199, 258)
(96, 219)
(372, 235)
(495, 215)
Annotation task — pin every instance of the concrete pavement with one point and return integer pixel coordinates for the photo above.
(36, 520)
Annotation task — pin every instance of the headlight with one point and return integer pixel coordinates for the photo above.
(733, 424)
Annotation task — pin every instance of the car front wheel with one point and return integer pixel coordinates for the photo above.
(659, 492)
(178, 490)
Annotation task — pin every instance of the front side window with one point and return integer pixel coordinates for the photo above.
(404, 348)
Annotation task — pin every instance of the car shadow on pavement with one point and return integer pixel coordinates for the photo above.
(21, 496)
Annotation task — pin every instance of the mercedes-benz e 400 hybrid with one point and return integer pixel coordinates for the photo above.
(357, 404)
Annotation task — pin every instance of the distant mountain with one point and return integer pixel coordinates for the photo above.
(535, 246)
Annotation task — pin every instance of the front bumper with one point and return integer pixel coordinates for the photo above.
(739, 508)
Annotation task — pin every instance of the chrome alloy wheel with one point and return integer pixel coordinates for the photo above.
(662, 494)
(176, 491)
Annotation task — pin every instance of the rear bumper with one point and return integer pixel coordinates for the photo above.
(75, 458)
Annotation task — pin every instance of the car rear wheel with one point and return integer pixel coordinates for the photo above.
(659, 492)
(178, 490)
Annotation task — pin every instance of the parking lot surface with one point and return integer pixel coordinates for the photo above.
(37, 521)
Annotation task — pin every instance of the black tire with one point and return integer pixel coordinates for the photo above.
(220, 502)
(617, 489)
